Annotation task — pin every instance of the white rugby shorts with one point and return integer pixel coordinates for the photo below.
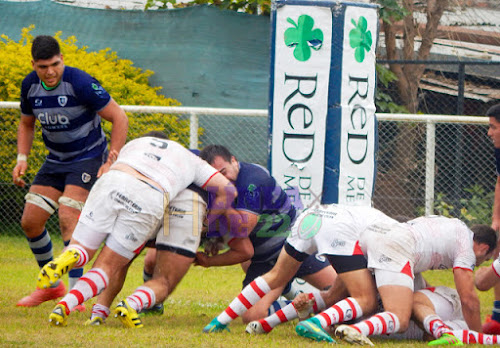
(122, 209)
(181, 227)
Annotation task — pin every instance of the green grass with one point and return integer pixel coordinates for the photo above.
(202, 294)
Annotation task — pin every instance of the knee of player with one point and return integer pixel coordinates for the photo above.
(404, 323)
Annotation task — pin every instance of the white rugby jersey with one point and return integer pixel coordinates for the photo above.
(166, 162)
(365, 216)
(441, 243)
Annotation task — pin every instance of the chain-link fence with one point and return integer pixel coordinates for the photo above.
(444, 165)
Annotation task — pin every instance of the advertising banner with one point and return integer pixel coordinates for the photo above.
(322, 122)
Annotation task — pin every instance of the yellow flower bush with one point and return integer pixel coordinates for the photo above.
(127, 84)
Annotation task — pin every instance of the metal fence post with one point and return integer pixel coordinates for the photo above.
(193, 130)
(430, 161)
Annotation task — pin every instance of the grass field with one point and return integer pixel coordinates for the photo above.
(202, 294)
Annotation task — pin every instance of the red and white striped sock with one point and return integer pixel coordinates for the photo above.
(289, 312)
(434, 326)
(98, 310)
(90, 284)
(249, 296)
(142, 298)
(318, 305)
(83, 258)
(285, 314)
(379, 324)
(340, 312)
(471, 337)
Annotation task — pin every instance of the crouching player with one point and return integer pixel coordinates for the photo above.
(124, 209)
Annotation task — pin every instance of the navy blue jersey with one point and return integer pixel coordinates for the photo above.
(259, 193)
(71, 128)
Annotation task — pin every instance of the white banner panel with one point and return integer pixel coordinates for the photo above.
(322, 113)
(302, 55)
(358, 139)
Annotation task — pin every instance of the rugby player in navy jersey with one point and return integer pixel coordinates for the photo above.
(68, 104)
(267, 213)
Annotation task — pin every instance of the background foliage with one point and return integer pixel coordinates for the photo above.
(127, 84)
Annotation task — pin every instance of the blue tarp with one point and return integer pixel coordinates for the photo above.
(201, 56)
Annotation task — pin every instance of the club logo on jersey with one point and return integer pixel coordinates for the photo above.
(52, 122)
(252, 197)
(86, 177)
(62, 100)
(309, 226)
(38, 102)
(97, 89)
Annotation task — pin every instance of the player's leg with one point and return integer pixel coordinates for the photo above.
(426, 304)
(41, 203)
(316, 271)
(130, 211)
(147, 275)
(171, 268)
(90, 284)
(261, 308)
(359, 284)
(283, 271)
(101, 309)
(70, 207)
(396, 292)
(301, 307)
(177, 241)
(78, 180)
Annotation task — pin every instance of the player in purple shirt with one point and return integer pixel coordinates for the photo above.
(267, 215)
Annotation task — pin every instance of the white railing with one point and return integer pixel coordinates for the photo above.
(429, 120)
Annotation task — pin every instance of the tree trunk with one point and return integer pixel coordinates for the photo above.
(403, 180)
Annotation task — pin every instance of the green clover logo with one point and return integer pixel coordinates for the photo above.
(303, 37)
(360, 39)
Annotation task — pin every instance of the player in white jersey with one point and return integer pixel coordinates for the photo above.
(437, 313)
(330, 230)
(175, 247)
(124, 209)
(396, 252)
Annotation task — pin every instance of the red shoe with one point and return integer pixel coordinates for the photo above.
(39, 296)
(79, 308)
(491, 327)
